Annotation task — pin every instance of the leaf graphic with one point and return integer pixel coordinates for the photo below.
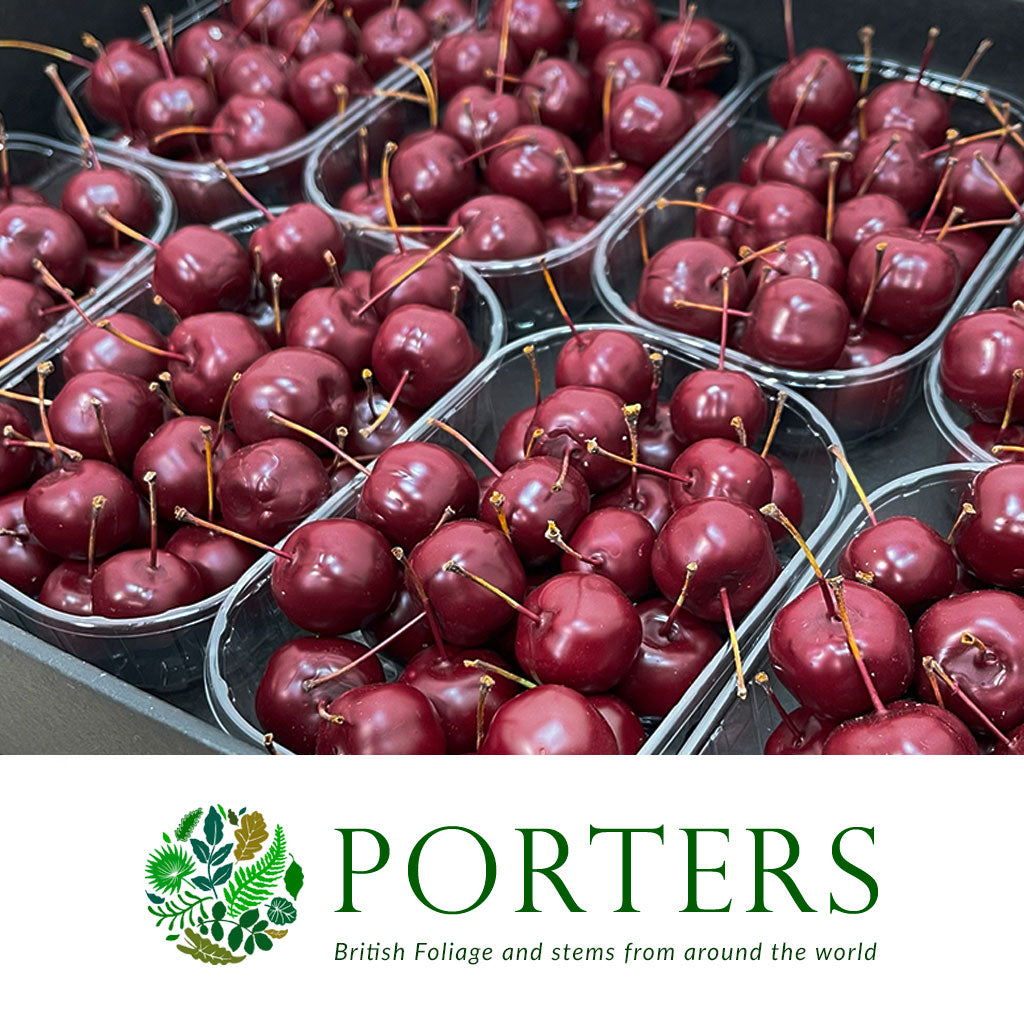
(167, 838)
(254, 883)
(277, 933)
(213, 826)
(281, 911)
(168, 867)
(153, 898)
(207, 950)
(202, 883)
(232, 817)
(222, 874)
(188, 824)
(250, 945)
(250, 836)
(263, 941)
(201, 850)
(294, 879)
(221, 855)
(249, 918)
(235, 937)
(174, 912)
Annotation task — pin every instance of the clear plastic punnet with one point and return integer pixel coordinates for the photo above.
(519, 284)
(249, 626)
(861, 402)
(165, 653)
(731, 726)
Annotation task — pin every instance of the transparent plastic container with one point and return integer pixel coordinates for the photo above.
(249, 626)
(861, 402)
(950, 420)
(730, 726)
(46, 165)
(199, 189)
(165, 653)
(519, 284)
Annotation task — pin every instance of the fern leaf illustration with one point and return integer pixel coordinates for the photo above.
(253, 883)
(168, 867)
(186, 908)
(187, 825)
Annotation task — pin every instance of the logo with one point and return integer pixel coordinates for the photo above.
(223, 898)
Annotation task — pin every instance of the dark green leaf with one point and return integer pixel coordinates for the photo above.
(222, 874)
(281, 911)
(232, 817)
(249, 918)
(249, 945)
(221, 854)
(167, 838)
(219, 910)
(241, 812)
(217, 931)
(187, 824)
(235, 938)
(263, 941)
(259, 926)
(203, 928)
(171, 938)
(201, 850)
(294, 879)
(213, 827)
(202, 883)
(153, 898)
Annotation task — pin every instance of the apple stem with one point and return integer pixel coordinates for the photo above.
(837, 453)
(970, 640)
(997, 178)
(666, 627)
(780, 402)
(836, 585)
(498, 501)
(570, 178)
(772, 511)
(411, 269)
(182, 515)
(310, 684)
(94, 518)
(686, 17)
(506, 18)
(929, 48)
(428, 87)
(367, 375)
(43, 370)
(108, 218)
(11, 356)
(877, 165)
(805, 91)
(97, 408)
(787, 21)
(560, 479)
(48, 51)
(554, 535)
(708, 308)
(150, 481)
(862, 131)
(498, 670)
(695, 204)
(17, 396)
(385, 184)
(107, 326)
(453, 566)
(954, 139)
(252, 17)
(983, 47)
(787, 720)
(350, 21)
(275, 302)
(998, 449)
(741, 431)
(830, 201)
(54, 75)
(876, 277)
(741, 684)
(237, 185)
(1002, 115)
(158, 40)
(595, 449)
(156, 388)
(53, 284)
(606, 106)
(641, 226)
(465, 442)
(325, 715)
(866, 35)
(161, 302)
(699, 63)
(12, 439)
(748, 255)
(517, 140)
(932, 669)
(332, 267)
(1015, 379)
(207, 432)
(364, 158)
(316, 9)
(966, 510)
(657, 370)
(389, 405)
(530, 352)
(268, 743)
(334, 449)
(486, 685)
(549, 280)
(631, 414)
(947, 226)
(943, 182)
(421, 593)
(537, 433)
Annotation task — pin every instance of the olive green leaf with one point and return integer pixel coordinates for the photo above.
(250, 836)
(213, 827)
(253, 883)
(207, 950)
(188, 824)
(232, 817)
(277, 933)
(281, 911)
(168, 867)
(294, 879)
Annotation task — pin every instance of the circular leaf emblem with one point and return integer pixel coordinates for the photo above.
(223, 885)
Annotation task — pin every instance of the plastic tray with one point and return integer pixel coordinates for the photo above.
(164, 653)
(732, 727)
(519, 284)
(249, 627)
(46, 165)
(950, 420)
(860, 402)
(199, 189)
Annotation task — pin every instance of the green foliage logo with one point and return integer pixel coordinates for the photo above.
(217, 896)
